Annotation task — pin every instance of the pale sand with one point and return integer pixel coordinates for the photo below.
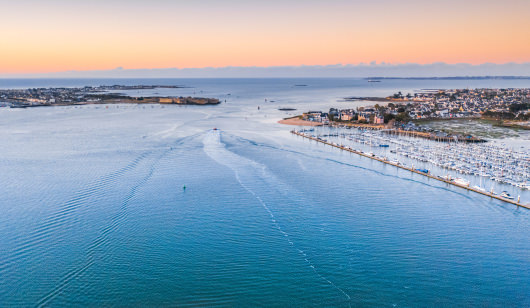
(299, 122)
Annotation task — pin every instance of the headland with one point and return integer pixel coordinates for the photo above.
(46, 97)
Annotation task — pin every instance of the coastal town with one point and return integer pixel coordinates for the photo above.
(390, 132)
(40, 97)
(495, 104)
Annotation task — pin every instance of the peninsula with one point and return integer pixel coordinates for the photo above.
(41, 97)
(406, 114)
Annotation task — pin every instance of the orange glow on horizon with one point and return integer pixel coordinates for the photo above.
(349, 32)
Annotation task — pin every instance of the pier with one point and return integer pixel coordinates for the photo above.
(438, 178)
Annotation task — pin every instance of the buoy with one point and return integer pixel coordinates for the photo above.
(184, 187)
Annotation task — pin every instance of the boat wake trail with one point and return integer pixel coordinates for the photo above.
(246, 172)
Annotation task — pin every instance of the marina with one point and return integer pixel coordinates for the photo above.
(499, 164)
(493, 162)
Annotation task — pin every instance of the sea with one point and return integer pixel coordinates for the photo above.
(148, 205)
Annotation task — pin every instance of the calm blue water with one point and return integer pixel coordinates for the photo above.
(94, 212)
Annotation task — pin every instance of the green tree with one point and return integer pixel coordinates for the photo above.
(403, 117)
(388, 117)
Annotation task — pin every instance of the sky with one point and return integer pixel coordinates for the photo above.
(46, 36)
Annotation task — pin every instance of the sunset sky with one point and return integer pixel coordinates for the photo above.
(60, 35)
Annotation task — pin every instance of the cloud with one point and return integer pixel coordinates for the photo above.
(373, 69)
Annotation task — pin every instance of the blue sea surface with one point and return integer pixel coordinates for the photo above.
(147, 205)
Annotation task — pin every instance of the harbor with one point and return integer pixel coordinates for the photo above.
(458, 182)
(499, 164)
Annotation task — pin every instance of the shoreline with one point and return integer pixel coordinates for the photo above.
(155, 100)
(296, 121)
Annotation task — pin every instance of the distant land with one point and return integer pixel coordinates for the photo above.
(362, 70)
(451, 78)
(42, 97)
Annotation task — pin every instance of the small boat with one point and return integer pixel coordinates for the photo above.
(476, 187)
(506, 195)
(461, 182)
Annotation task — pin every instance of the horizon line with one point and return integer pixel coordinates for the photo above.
(361, 70)
(286, 77)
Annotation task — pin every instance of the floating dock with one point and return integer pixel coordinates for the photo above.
(341, 147)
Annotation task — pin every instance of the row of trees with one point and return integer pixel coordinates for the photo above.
(400, 95)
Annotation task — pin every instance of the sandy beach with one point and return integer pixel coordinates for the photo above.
(299, 122)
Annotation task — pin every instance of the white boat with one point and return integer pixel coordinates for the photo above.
(461, 182)
(506, 195)
(447, 177)
(476, 187)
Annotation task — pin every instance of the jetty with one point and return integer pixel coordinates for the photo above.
(411, 169)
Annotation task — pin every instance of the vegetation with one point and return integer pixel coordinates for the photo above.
(519, 107)
(398, 95)
(403, 117)
(500, 115)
